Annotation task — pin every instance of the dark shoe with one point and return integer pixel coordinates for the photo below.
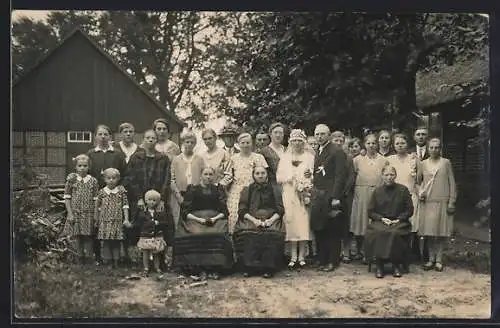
(438, 267)
(379, 273)
(246, 274)
(329, 267)
(291, 265)
(358, 257)
(396, 273)
(321, 267)
(302, 264)
(215, 276)
(267, 275)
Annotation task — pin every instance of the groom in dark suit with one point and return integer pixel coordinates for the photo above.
(327, 198)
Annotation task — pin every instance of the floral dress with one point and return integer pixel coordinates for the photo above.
(242, 177)
(111, 203)
(83, 193)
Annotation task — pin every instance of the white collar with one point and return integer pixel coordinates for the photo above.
(324, 145)
(133, 145)
(152, 212)
(84, 179)
(108, 191)
(110, 148)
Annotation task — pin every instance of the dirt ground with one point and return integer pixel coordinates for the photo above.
(348, 292)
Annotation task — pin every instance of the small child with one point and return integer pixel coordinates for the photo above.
(80, 194)
(111, 212)
(152, 223)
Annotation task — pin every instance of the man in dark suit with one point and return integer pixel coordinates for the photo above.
(420, 251)
(328, 199)
(421, 136)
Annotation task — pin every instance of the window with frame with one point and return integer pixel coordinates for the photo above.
(79, 137)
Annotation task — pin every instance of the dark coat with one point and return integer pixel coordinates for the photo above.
(329, 186)
(272, 160)
(414, 150)
(148, 228)
(139, 179)
(100, 161)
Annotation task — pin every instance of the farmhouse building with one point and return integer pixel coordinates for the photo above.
(57, 105)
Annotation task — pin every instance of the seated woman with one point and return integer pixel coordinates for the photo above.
(259, 234)
(202, 243)
(389, 210)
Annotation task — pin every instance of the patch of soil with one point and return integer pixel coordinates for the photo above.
(348, 292)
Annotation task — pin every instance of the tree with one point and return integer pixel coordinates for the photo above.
(345, 68)
(172, 54)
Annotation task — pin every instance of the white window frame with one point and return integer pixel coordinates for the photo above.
(75, 140)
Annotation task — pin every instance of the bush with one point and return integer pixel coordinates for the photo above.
(35, 227)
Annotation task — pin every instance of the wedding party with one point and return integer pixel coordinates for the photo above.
(257, 165)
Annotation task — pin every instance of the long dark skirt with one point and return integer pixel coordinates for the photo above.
(259, 248)
(386, 242)
(201, 246)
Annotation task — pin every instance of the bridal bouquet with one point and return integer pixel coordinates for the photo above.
(303, 187)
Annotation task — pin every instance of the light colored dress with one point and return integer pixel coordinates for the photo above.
(184, 173)
(368, 177)
(242, 177)
(406, 174)
(290, 170)
(440, 189)
(220, 161)
(171, 149)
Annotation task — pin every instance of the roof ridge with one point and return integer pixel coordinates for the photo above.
(94, 43)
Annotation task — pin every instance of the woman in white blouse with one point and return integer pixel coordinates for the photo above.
(186, 170)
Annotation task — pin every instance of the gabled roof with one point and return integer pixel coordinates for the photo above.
(78, 31)
(434, 88)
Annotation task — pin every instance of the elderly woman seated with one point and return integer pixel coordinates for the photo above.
(259, 233)
(389, 211)
(202, 243)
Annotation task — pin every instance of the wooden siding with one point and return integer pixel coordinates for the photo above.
(76, 88)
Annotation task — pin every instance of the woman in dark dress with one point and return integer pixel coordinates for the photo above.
(259, 233)
(202, 241)
(386, 237)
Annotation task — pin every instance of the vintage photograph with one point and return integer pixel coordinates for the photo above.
(250, 165)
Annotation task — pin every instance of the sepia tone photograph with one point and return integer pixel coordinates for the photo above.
(196, 164)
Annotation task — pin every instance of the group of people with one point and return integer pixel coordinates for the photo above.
(252, 204)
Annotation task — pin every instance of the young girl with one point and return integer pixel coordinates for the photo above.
(79, 196)
(111, 214)
(384, 143)
(153, 223)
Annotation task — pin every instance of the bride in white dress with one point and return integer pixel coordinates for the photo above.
(291, 168)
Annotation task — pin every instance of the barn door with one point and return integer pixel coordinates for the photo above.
(78, 142)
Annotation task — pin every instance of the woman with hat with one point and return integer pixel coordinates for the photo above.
(228, 135)
(243, 164)
(290, 174)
